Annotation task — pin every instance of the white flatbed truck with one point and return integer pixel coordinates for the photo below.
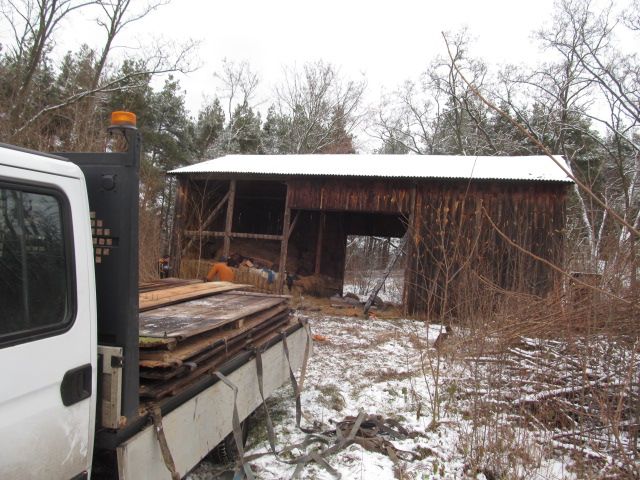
(69, 329)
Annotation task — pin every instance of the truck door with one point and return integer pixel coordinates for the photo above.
(47, 342)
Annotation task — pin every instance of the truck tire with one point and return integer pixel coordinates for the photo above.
(226, 451)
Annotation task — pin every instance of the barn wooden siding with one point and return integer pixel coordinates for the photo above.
(458, 263)
(351, 195)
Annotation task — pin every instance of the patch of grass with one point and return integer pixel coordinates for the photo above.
(388, 374)
(356, 388)
(423, 452)
(380, 338)
(331, 397)
(418, 342)
(392, 392)
(278, 410)
(354, 330)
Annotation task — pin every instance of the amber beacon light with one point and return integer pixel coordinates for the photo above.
(123, 118)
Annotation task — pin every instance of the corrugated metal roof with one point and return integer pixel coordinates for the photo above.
(538, 168)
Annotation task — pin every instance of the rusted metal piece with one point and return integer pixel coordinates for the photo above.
(156, 416)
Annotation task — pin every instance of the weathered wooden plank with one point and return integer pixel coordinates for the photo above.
(154, 342)
(165, 283)
(197, 316)
(168, 296)
(200, 287)
(293, 224)
(191, 347)
(270, 295)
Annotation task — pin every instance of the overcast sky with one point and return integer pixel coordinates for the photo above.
(387, 41)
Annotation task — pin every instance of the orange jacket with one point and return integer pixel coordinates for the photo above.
(220, 270)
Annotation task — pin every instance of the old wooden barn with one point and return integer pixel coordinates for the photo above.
(472, 222)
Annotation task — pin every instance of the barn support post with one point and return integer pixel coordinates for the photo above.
(284, 242)
(227, 226)
(410, 277)
(175, 248)
(319, 243)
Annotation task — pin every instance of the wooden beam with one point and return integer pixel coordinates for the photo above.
(293, 224)
(285, 242)
(319, 243)
(211, 234)
(175, 252)
(228, 223)
(212, 216)
(412, 212)
(410, 282)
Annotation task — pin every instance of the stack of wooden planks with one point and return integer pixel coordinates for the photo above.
(190, 330)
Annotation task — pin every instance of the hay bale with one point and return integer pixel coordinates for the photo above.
(318, 285)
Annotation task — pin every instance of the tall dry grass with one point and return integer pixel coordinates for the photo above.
(539, 376)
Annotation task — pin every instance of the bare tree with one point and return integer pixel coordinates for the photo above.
(561, 95)
(438, 114)
(318, 103)
(36, 106)
(593, 81)
(33, 23)
(116, 16)
(239, 84)
(157, 62)
(411, 118)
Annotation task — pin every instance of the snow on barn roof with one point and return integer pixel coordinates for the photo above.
(535, 168)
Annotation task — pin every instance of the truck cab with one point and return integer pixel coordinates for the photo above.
(48, 343)
(69, 330)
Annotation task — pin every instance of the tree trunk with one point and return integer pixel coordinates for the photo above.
(387, 271)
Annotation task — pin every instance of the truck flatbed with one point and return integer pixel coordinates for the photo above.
(138, 452)
(182, 345)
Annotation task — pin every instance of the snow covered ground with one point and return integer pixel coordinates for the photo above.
(390, 368)
(391, 291)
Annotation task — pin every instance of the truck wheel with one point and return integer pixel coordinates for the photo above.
(226, 451)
